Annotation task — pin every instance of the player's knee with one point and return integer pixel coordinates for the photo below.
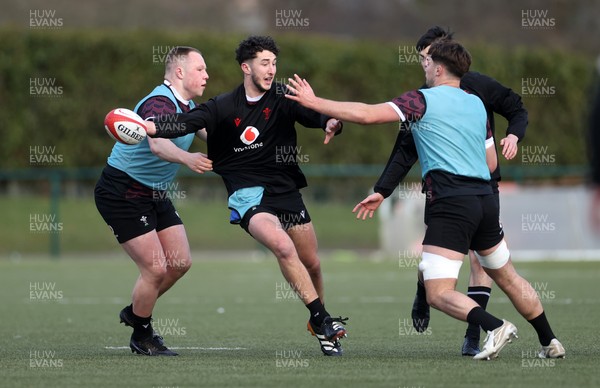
(179, 269)
(283, 249)
(155, 274)
(312, 264)
(432, 299)
(180, 263)
(314, 269)
(187, 264)
(438, 267)
(497, 259)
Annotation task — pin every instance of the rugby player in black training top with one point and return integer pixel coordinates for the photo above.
(252, 143)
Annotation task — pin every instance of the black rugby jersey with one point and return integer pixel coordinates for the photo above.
(250, 143)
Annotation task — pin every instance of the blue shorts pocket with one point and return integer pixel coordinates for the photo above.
(242, 200)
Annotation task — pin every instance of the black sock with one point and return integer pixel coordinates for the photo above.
(542, 327)
(317, 312)
(480, 317)
(142, 327)
(481, 295)
(421, 290)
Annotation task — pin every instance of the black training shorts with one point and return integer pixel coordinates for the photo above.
(288, 207)
(464, 222)
(131, 209)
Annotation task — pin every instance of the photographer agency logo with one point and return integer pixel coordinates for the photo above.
(44, 291)
(290, 155)
(291, 19)
(43, 155)
(44, 359)
(537, 87)
(537, 19)
(44, 87)
(290, 359)
(406, 327)
(537, 223)
(537, 155)
(44, 19)
(44, 223)
(408, 55)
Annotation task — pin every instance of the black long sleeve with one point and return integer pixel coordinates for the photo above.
(403, 157)
(176, 125)
(499, 99)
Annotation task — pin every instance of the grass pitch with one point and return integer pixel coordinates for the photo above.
(235, 323)
(82, 229)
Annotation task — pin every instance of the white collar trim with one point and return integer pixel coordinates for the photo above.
(254, 99)
(177, 95)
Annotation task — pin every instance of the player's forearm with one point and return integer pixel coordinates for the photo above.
(166, 150)
(403, 157)
(356, 112)
(390, 178)
(512, 109)
(517, 126)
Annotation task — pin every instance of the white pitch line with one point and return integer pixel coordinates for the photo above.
(176, 348)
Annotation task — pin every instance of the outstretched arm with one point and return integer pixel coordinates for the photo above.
(355, 112)
(167, 150)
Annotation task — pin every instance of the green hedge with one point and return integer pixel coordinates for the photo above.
(94, 71)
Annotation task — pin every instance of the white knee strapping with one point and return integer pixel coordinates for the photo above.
(438, 267)
(496, 259)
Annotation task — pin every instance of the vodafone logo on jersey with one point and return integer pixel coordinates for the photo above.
(249, 135)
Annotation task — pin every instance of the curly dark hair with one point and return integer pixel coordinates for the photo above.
(255, 44)
(433, 34)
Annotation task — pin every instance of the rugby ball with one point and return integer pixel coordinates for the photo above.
(125, 126)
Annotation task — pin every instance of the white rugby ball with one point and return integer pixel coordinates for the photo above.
(125, 126)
